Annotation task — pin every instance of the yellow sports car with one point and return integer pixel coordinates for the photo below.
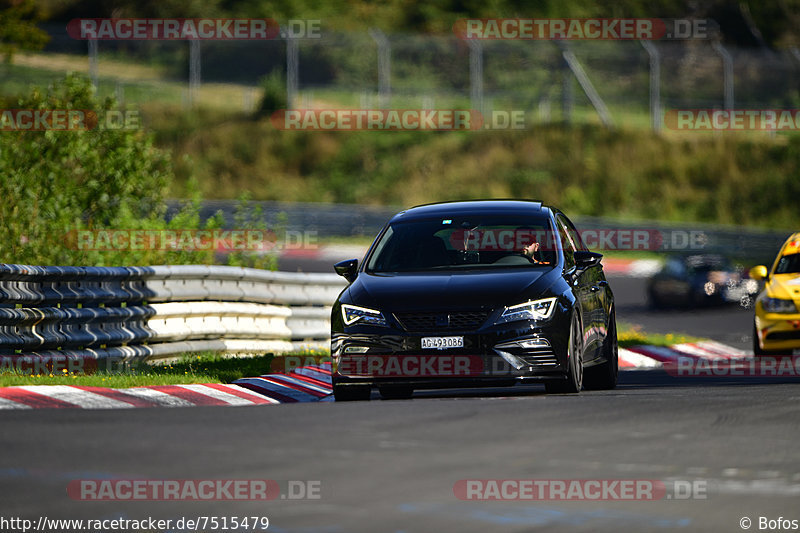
(777, 324)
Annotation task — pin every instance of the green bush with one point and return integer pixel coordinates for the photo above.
(56, 184)
(274, 97)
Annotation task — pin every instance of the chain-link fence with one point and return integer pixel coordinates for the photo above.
(620, 83)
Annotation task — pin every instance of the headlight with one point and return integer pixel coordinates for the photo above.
(352, 314)
(776, 305)
(536, 310)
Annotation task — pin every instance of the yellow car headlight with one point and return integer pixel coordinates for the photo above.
(777, 305)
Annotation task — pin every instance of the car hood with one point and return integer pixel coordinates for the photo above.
(430, 291)
(784, 286)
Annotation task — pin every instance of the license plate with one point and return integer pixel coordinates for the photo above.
(441, 343)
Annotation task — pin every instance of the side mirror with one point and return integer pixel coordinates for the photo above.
(759, 272)
(584, 260)
(348, 269)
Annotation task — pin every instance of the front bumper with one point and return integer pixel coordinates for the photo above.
(778, 331)
(492, 356)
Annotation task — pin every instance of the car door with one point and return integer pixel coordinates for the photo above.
(598, 287)
(671, 286)
(582, 287)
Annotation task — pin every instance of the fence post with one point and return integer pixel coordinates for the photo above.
(194, 70)
(384, 67)
(292, 70)
(566, 92)
(727, 73)
(93, 62)
(591, 93)
(655, 85)
(795, 52)
(476, 74)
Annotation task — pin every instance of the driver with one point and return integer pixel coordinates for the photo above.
(530, 252)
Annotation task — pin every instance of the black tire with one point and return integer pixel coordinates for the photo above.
(604, 376)
(756, 346)
(653, 301)
(396, 392)
(574, 381)
(696, 300)
(351, 393)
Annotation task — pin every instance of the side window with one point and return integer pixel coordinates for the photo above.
(674, 268)
(575, 236)
(566, 243)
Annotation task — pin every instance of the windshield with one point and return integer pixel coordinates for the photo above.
(788, 264)
(707, 263)
(466, 242)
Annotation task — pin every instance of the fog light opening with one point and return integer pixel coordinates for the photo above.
(356, 349)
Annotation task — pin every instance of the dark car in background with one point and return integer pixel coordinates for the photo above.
(474, 293)
(694, 280)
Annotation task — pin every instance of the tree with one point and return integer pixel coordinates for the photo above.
(57, 181)
(18, 30)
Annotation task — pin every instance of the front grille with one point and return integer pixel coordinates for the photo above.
(433, 322)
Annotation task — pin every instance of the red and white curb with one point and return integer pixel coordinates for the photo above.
(303, 385)
(636, 268)
(646, 357)
(306, 384)
(68, 396)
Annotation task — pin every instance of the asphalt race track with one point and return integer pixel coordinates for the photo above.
(392, 465)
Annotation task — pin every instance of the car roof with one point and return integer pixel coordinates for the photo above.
(702, 259)
(488, 207)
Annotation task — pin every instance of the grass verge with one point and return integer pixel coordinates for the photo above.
(633, 335)
(204, 367)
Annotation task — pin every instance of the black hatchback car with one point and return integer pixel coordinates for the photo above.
(695, 280)
(474, 293)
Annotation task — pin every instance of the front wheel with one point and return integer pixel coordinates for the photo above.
(574, 381)
(653, 301)
(604, 376)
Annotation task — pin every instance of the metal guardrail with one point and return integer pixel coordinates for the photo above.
(337, 220)
(127, 313)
